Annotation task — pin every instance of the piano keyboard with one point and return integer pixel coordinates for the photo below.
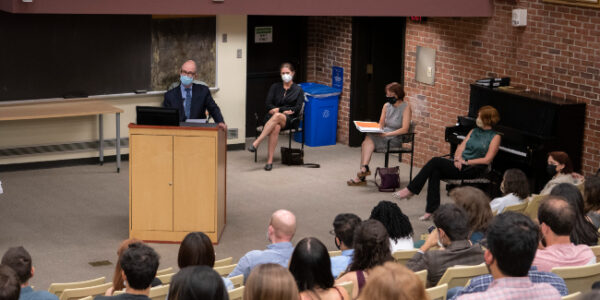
(512, 151)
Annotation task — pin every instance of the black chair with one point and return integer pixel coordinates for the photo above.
(293, 128)
(404, 139)
(486, 181)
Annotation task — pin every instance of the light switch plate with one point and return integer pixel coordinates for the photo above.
(425, 65)
(239, 53)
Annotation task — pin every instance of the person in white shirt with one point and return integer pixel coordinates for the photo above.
(514, 188)
(397, 224)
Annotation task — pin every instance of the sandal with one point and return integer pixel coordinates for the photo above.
(351, 182)
(366, 173)
(396, 195)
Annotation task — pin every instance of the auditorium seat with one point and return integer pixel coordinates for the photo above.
(237, 280)
(223, 262)
(422, 275)
(236, 294)
(164, 271)
(348, 285)
(58, 288)
(579, 279)
(460, 275)
(225, 270)
(77, 293)
(572, 296)
(402, 256)
(166, 278)
(437, 292)
(520, 208)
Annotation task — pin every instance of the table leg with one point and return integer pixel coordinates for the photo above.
(118, 142)
(101, 139)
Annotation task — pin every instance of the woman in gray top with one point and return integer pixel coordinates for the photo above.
(394, 120)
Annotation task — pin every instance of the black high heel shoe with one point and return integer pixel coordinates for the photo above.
(268, 167)
(251, 148)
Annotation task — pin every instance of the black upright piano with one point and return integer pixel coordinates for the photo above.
(531, 126)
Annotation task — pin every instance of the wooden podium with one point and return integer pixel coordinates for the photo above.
(177, 182)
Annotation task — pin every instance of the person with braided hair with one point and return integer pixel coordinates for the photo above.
(371, 249)
(396, 223)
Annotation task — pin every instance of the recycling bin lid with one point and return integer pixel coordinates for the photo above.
(319, 90)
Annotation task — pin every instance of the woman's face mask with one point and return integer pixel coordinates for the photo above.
(286, 77)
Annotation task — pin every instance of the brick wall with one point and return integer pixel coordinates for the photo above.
(558, 53)
(330, 44)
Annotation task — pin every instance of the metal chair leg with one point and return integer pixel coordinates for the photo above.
(411, 166)
(387, 159)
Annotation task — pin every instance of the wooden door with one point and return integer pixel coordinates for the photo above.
(195, 190)
(151, 183)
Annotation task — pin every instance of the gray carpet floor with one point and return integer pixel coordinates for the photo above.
(67, 217)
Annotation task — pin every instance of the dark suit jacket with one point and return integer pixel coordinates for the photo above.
(201, 101)
(437, 261)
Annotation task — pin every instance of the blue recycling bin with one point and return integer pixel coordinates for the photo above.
(320, 115)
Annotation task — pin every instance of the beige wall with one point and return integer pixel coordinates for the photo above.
(231, 98)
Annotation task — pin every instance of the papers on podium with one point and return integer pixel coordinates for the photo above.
(372, 127)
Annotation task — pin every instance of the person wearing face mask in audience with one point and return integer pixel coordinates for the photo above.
(394, 120)
(192, 100)
(561, 169)
(471, 159)
(284, 102)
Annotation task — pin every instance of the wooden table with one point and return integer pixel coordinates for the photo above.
(63, 109)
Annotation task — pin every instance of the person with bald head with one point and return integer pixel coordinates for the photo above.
(192, 100)
(556, 217)
(280, 232)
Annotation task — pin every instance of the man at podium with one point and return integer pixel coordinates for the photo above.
(192, 99)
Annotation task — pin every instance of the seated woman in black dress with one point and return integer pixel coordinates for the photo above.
(470, 160)
(284, 103)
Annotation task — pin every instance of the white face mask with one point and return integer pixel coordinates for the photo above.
(479, 123)
(286, 78)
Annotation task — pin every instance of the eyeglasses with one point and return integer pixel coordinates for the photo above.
(188, 73)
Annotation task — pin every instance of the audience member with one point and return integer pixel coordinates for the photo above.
(10, 287)
(371, 249)
(561, 169)
(343, 229)
(556, 219)
(271, 282)
(591, 199)
(118, 282)
(514, 188)
(197, 282)
(310, 267)
(583, 231)
(393, 281)
(18, 259)
(280, 233)
(477, 205)
(139, 263)
(452, 233)
(512, 242)
(196, 249)
(397, 225)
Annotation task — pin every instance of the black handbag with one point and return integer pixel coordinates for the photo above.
(291, 156)
(390, 179)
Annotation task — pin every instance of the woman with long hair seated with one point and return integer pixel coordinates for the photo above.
(196, 249)
(471, 160)
(560, 168)
(271, 282)
(394, 120)
(371, 249)
(284, 102)
(311, 267)
(584, 232)
(514, 188)
(396, 223)
(591, 199)
(477, 205)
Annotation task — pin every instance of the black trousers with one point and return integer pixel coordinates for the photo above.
(436, 169)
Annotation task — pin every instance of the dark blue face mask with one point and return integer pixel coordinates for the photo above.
(391, 100)
(551, 169)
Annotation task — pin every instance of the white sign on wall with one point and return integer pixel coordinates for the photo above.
(263, 34)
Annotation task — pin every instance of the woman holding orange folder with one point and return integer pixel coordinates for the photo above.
(395, 120)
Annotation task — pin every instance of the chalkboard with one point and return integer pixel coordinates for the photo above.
(47, 56)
